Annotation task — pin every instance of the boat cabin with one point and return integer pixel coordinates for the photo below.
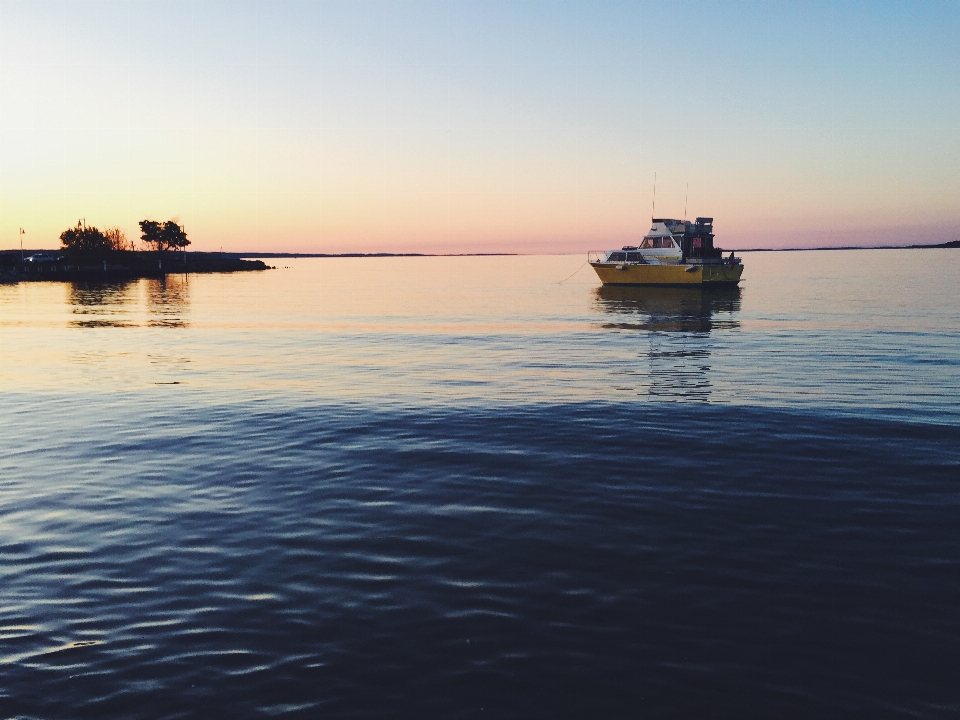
(671, 241)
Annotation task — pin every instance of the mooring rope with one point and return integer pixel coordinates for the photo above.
(573, 273)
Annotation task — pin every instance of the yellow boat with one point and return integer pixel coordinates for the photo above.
(674, 252)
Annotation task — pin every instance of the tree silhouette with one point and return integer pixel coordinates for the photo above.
(166, 236)
(117, 239)
(151, 234)
(85, 242)
(173, 235)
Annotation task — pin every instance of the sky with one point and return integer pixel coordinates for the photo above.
(457, 127)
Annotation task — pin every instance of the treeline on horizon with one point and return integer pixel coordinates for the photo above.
(90, 243)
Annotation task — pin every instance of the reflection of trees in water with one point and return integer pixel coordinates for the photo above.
(676, 324)
(112, 304)
(101, 304)
(168, 299)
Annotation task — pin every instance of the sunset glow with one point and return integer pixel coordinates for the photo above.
(480, 127)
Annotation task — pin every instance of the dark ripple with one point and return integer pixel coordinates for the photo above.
(574, 561)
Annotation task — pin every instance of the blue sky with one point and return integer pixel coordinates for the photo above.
(481, 126)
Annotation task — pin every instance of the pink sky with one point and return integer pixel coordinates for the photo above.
(472, 127)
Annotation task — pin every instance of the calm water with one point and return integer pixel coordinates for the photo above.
(454, 487)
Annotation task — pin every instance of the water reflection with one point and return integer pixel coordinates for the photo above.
(101, 304)
(669, 309)
(674, 325)
(119, 304)
(168, 300)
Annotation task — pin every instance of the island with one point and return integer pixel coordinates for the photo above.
(87, 253)
(48, 265)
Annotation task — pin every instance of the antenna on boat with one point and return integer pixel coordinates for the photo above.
(685, 198)
(653, 210)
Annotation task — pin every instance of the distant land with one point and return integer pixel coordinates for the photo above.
(951, 244)
(238, 255)
(335, 255)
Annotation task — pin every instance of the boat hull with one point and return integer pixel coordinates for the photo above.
(670, 275)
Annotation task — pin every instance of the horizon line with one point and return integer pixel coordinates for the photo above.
(257, 254)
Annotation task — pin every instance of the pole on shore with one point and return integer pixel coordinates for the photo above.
(22, 231)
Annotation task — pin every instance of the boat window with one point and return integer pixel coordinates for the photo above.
(632, 257)
(618, 257)
(646, 244)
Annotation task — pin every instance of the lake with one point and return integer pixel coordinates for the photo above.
(469, 487)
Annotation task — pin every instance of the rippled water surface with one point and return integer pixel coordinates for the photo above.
(455, 487)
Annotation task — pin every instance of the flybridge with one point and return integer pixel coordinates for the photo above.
(694, 239)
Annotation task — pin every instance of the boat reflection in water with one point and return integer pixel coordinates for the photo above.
(673, 330)
(669, 309)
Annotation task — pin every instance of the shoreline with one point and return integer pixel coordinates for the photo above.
(119, 266)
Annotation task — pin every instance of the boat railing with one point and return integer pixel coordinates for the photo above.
(730, 261)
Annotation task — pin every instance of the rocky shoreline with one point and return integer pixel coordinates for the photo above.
(124, 265)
